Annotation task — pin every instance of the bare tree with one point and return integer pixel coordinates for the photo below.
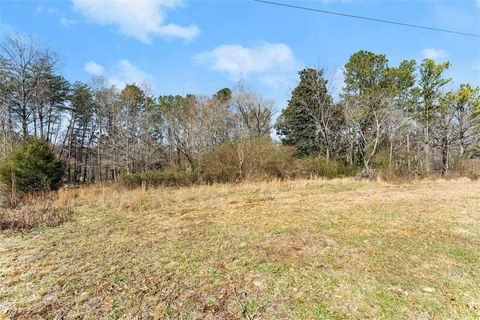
(252, 112)
(25, 65)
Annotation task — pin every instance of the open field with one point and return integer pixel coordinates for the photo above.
(280, 250)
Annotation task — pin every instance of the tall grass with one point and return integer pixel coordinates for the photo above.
(45, 209)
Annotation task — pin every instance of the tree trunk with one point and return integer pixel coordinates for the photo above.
(444, 156)
(427, 150)
(390, 156)
(408, 152)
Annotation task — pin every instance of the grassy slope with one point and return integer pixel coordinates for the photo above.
(301, 249)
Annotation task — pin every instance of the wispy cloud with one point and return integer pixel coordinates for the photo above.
(137, 19)
(62, 18)
(448, 15)
(66, 22)
(124, 72)
(94, 68)
(434, 54)
(271, 62)
(49, 10)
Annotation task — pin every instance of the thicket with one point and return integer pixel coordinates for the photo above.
(255, 159)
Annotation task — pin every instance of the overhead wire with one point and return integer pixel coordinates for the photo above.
(347, 15)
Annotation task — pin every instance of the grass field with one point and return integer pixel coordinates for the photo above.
(280, 250)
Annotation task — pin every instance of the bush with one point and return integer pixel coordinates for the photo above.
(319, 167)
(221, 164)
(32, 167)
(469, 168)
(248, 159)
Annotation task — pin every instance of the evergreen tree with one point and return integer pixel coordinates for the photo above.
(430, 85)
(305, 122)
(32, 167)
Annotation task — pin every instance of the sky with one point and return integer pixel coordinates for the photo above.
(199, 47)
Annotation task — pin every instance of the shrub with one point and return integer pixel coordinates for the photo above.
(319, 167)
(247, 159)
(466, 168)
(221, 164)
(381, 159)
(32, 167)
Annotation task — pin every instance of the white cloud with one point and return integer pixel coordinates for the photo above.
(66, 22)
(94, 68)
(139, 19)
(270, 61)
(124, 72)
(434, 53)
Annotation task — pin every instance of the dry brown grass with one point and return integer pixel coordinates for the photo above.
(34, 211)
(279, 250)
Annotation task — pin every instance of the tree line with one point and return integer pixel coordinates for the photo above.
(402, 118)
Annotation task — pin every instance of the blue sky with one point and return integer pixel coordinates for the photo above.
(199, 47)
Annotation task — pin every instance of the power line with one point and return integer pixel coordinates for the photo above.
(368, 18)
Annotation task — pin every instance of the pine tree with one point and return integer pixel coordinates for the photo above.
(302, 122)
